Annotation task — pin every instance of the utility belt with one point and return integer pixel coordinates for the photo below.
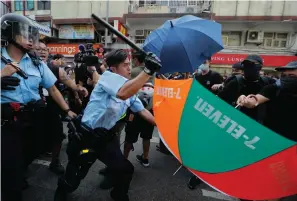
(100, 134)
(13, 112)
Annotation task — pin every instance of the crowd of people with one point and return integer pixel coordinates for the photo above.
(107, 97)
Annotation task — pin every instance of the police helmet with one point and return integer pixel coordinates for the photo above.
(19, 30)
(290, 66)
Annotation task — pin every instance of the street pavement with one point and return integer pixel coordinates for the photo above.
(155, 183)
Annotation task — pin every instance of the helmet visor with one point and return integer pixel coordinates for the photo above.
(25, 34)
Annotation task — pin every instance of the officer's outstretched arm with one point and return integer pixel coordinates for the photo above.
(131, 87)
(58, 98)
(147, 116)
(152, 65)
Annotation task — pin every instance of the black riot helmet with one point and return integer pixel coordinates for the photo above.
(19, 30)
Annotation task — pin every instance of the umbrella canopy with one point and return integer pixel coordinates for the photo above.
(184, 43)
(222, 146)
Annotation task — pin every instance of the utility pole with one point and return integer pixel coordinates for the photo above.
(107, 15)
(24, 7)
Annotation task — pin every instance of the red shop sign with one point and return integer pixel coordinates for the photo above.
(269, 60)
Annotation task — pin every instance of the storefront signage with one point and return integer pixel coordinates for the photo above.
(76, 32)
(117, 25)
(67, 49)
(269, 60)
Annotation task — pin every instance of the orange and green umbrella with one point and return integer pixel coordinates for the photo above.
(225, 148)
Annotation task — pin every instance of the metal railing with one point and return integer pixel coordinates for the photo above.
(5, 7)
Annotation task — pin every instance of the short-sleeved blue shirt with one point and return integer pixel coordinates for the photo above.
(28, 90)
(104, 108)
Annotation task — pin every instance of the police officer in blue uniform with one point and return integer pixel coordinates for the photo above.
(111, 97)
(22, 109)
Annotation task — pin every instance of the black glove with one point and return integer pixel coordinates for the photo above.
(9, 82)
(152, 64)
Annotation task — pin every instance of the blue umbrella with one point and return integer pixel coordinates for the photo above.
(184, 43)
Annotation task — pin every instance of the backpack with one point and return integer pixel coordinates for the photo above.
(241, 84)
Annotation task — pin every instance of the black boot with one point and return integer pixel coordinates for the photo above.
(60, 194)
(103, 171)
(57, 168)
(118, 197)
(194, 182)
(106, 183)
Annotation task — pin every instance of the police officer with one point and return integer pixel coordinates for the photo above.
(22, 109)
(111, 97)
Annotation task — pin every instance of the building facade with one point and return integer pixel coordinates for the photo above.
(5, 7)
(68, 23)
(267, 28)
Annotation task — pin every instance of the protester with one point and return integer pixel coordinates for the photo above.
(249, 83)
(207, 77)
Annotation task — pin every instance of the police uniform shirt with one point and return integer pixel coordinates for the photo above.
(104, 108)
(28, 90)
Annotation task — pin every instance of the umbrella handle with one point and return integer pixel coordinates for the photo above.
(177, 170)
(118, 34)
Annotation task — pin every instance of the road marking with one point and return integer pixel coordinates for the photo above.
(155, 140)
(217, 195)
(42, 162)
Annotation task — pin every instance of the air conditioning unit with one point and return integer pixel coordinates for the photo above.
(254, 36)
(190, 10)
(139, 32)
(108, 39)
(172, 10)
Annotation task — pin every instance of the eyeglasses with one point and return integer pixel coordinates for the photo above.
(42, 50)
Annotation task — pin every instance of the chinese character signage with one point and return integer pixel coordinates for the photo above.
(269, 60)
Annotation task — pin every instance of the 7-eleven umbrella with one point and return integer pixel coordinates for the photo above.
(222, 146)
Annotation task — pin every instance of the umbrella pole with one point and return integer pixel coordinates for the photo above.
(177, 170)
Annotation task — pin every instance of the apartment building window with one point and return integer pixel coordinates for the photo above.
(231, 38)
(275, 40)
(163, 3)
(141, 3)
(18, 5)
(44, 4)
(177, 3)
(150, 3)
(140, 35)
(192, 3)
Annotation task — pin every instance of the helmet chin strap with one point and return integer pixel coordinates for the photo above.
(24, 50)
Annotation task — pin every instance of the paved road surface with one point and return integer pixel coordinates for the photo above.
(155, 183)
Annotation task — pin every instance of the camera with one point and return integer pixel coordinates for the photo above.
(87, 50)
